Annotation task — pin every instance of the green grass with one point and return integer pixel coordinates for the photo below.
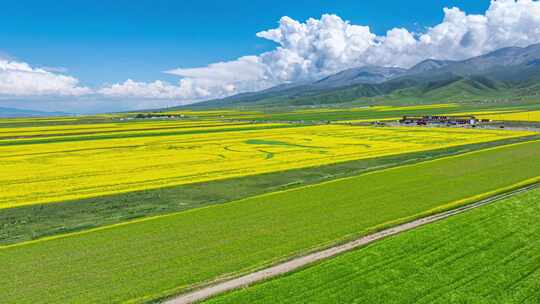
(153, 258)
(439, 88)
(37, 221)
(120, 135)
(66, 132)
(487, 255)
(340, 114)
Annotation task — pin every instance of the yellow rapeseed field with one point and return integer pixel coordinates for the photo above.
(42, 172)
(352, 121)
(96, 128)
(514, 116)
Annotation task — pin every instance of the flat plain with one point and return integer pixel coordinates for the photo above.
(83, 161)
(488, 255)
(152, 258)
(530, 116)
(32, 222)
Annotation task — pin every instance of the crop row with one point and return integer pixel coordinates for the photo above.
(155, 257)
(47, 170)
(488, 255)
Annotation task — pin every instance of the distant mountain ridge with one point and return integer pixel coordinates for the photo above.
(428, 65)
(13, 112)
(511, 72)
(367, 74)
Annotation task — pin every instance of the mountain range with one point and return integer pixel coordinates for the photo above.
(507, 73)
(13, 112)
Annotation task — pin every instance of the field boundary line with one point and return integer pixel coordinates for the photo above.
(516, 135)
(312, 258)
(135, 221)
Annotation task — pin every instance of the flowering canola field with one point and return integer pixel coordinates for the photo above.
(39, 171)
(514, 116)
(113, 127)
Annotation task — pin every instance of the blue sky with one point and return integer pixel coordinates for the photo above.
(96, 56)
(110, 41)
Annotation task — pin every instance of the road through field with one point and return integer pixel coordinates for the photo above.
(153, 258)
(303, 261)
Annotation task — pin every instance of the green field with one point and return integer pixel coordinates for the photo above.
(488, 255)
(337, 114)
(36, 221)
(362, 112)
(153, 258)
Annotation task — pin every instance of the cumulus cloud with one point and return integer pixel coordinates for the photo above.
(316, 48)
(20, 79)
(154, 90)
(319, 47)
(215, 80)
(309, 50)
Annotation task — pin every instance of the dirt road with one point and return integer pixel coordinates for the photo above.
(296, 263)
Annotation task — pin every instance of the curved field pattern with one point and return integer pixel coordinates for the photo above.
(50, 169)
(533, 116)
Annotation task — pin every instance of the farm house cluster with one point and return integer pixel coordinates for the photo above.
(441, 120)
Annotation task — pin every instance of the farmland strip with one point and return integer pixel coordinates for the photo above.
(77, 170)
(303, 261)
(487, 255)
(36, 221)
(60, 139)
(158, 257)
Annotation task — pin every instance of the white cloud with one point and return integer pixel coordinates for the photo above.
(249, 66)
(154, 90)
(307, 50)
(316, 48)
(20, 79)
(319, 47)
(216, 80)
